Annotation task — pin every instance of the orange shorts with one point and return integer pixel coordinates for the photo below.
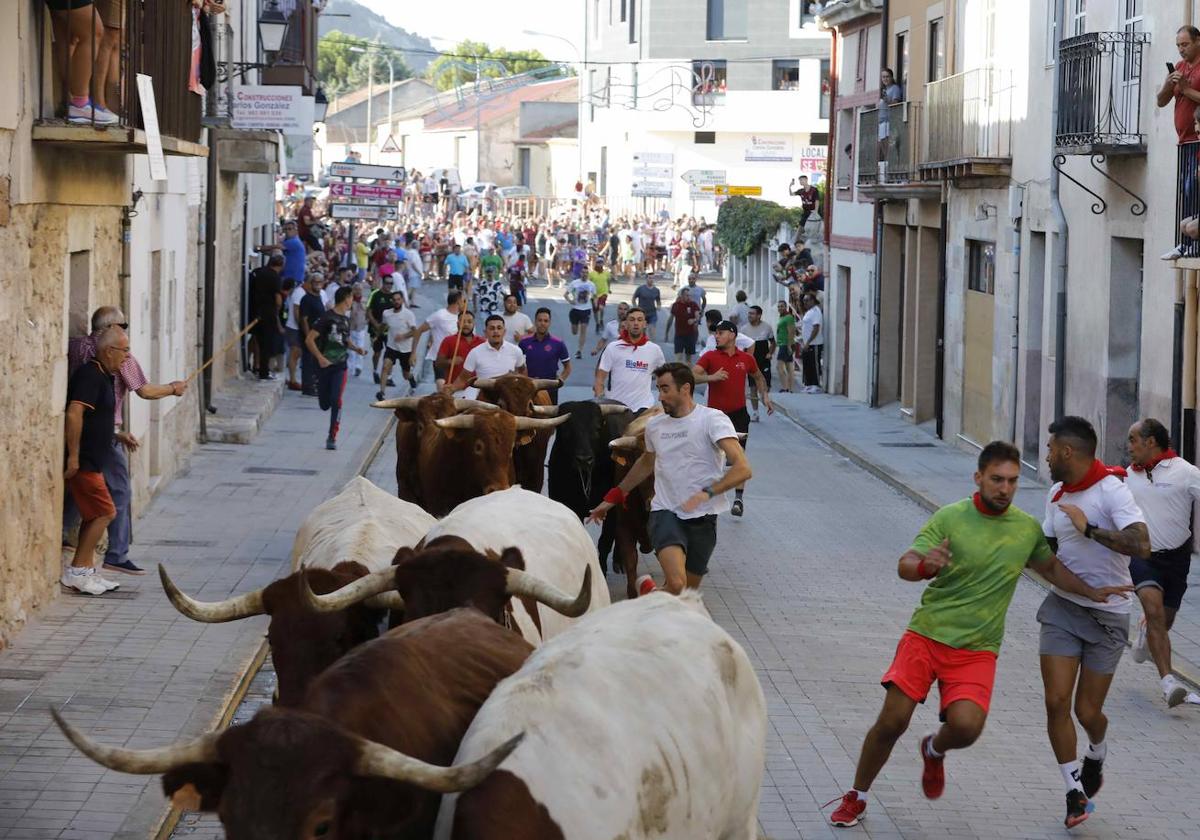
(960, 674)
(91, 495)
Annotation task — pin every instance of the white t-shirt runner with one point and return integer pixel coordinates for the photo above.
(688, 459)
(398, 323)
(442, 323)
(516, 326)
(1109, 505)
(742, 342)
(486, 362)
(582, 292)
(1166, 495)
(631, 373)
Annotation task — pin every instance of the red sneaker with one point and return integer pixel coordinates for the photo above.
(849, 812)
(645, 585)
(294, 386)
(933, 777)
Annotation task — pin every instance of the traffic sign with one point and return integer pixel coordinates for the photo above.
(703, 176)
(344, 190)
(652, 174)
(366, 170)
(727, 189)
(362, 211)
(390, 145)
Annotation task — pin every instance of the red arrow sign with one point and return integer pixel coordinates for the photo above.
(366, 191)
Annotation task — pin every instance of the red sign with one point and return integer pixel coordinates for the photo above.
(366, 191)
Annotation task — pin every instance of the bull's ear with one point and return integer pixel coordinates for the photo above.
(195, 787)
(402, 554)
(525, 437)
(512, 558)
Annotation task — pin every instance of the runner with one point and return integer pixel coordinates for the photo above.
(973, 551)
(399, 326)
(329, 342)
(600, 279)
(760, 332)
(491, 358)
(627, 365)
(1094, 525)
(579, 294)
(728, 369)
(1165, 487)
(687, 449)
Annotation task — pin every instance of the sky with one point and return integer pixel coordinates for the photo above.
(496, 24)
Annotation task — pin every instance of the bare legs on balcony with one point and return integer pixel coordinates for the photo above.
(77, 34)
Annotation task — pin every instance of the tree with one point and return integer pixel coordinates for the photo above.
(458, 68)
(344, 62)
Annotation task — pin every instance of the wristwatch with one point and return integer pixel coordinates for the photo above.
(710, 491)
(1087, 532)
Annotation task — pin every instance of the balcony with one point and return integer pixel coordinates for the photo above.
(968, 130)
(1187, 205)
(1100, 94)
(157, 43)
(296, 63)
(897, 175)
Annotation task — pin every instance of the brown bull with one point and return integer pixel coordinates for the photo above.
(518, 395)
(367, 752)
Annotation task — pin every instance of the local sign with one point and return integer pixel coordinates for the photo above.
(366, 191)
(362, 211)
(367, 171)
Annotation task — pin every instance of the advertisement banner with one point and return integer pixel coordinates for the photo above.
(760, 147)
(272, 108)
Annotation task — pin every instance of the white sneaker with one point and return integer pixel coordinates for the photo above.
(813, 389)
(1173, 692)
(89, 113)
(754, 417)
(107, 583)
(83, 580)
(1174, 254)
(1192, 699)
(1139, 651)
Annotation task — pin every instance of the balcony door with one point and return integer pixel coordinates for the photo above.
(1128, 72)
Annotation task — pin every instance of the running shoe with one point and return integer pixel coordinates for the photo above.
(89, 113)
(109, 585)
(330, 443)
(83, 579)
(933, 777)
(1174, 693)
(1091, 776)
(391, 382)
(379, 395)
(849, 812)
(754, 417)
(1139, 651)
(645, 585)
(738, 508)
(578, 355)
(1078, 808)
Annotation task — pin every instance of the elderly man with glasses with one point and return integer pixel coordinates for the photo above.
(128, 377)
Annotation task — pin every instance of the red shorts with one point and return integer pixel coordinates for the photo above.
(960, 674)
(91, 495)
(601, 301)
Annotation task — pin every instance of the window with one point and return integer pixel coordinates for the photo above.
(902, 60)
(785, 75)
(523, 166)
(937, 49)
(623, 10)
(705, 137)
(726, 20)
(633, 21)
(826, 88)
(1077, 17)
(809, 9)
(708, 82)
(981, 266)
(860, 64)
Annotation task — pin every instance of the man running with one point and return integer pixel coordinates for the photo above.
(579, 294)
(399, 324)
(759, 331)
(687, 449)
(1165, 487)
(1094, 525)
(973, 551)
(613, 329)
(453, 350)
(494, 357)
(627, 365)
(329, 342)
(544, 353)
(728, 369)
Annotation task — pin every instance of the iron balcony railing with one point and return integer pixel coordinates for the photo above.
(156, 41)
(969, 117)
(1100, 93)
(893, 141)
(1187, 200)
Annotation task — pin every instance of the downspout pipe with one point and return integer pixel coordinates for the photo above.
(1059, 268)
(210, 282)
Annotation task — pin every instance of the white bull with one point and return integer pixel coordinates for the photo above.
(363, 523)
(556, 547)
(684, 762)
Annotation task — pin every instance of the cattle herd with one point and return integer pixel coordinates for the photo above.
(507, 698)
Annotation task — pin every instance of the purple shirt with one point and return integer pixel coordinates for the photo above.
(542, 357)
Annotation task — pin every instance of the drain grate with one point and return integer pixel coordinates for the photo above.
(20, 674)
(909, 445)
(277, 471)
(185, 543)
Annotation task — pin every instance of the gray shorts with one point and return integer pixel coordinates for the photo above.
(1095, 637)
(697, 537)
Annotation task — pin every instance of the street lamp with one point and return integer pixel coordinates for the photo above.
(320, 105)
(272, 26)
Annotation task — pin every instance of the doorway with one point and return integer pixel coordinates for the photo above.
(154, 447)
(843, 289)
(1124, 345)
(1031, 349)
(979, 319)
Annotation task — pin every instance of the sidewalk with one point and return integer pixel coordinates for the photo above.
(130, 670)
(933, 473)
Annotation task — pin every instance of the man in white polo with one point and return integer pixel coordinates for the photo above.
(1165, 487)
(628, 365)
(495, 357)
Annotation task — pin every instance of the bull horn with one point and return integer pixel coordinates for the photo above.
(376, 760)
(545, 410)
(211, 612)
(461, 404)
(544, 384)
(625, 443)
(526, 423)
(366, 587)
(612, 409)
(385, 601)
(484, 383)
(458, 421)
(397, 402)
(202, 750)
(523, 583)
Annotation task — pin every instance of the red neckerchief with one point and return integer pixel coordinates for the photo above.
(983, 508)
(632, 343)
(1170, 453)
(1098, 471)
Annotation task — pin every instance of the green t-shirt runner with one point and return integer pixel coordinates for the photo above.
(493, 262)
(965, 606)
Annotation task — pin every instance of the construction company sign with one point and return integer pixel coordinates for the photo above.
(776, 148)
(272, 108)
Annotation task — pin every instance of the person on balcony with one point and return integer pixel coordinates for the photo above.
(78, 21)
(1182, 86)
(889, 94)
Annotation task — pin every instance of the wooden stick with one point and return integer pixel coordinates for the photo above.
(227, 345)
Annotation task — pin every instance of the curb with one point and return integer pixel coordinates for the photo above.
(897, 483)
(170, 820)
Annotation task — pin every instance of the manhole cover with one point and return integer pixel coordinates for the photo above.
(20, 674)
(277, 471)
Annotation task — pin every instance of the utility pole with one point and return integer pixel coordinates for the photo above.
(370, 102)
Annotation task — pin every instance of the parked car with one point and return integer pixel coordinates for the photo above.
(503, 193)
(470, 197)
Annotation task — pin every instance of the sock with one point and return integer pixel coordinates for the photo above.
(1168, 683)
(861, 794)
(930, 751)
(79, 101)
(1070, 773)
(737, 494)
(1097, 751)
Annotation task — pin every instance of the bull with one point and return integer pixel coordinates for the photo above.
(688, 765)
(520, 395)
(366, 752)
(631, 532)
(509, 543)
(345, 538)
